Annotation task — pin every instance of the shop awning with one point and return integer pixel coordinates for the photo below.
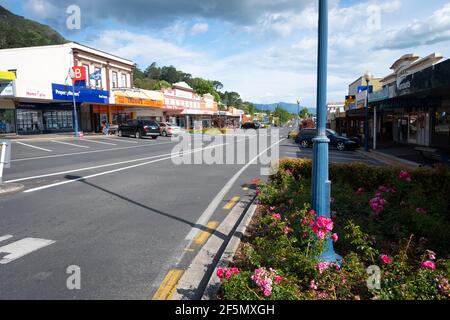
(8, 76)
(139, 98)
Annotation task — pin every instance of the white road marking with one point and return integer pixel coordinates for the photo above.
(70, 144)
(88, 152)
(87, 168)
(204, 218)
(120, 169)
(34, 147)
(100, 142)
(121, 140)
(22, 247)
(4, 238)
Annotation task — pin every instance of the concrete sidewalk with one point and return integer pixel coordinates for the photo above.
(391, 158)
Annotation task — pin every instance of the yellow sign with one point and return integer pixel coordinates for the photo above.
(10, 76)
(130, 101)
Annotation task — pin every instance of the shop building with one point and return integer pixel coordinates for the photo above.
(413, 106)
(43, 100)
(7, 94)
(187, 109)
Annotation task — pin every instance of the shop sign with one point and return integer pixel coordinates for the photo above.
(82, 94)
(35, 93)
(138, 102)
(7, 88)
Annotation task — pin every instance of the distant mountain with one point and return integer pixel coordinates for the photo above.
(290, 107)
(16, 32)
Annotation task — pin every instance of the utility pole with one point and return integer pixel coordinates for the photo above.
(321, 185)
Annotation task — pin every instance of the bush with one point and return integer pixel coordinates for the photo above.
(385, 217)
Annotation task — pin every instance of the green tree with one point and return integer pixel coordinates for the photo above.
(304, 113)
(161, 85)
(282, 115)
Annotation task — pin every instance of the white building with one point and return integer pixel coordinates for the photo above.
(44, 94)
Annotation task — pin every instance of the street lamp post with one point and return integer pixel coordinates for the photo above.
(298, 114)
(367, 77)
(321, 185)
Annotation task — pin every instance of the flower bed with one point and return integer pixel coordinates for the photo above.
(391, 227)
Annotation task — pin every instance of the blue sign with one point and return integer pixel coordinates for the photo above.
(65, 93)
(364, 88)
(97, 75)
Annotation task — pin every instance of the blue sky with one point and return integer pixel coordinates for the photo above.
(264, 49)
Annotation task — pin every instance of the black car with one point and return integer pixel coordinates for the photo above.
(251, 125)
(341, 143)
(139, 129)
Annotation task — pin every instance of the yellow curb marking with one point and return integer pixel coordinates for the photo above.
(169, 285)
(232, 203)
(203, 236)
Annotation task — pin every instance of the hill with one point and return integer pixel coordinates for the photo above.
(16, 32)
(290, 107)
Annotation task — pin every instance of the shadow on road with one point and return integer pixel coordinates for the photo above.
(193, 225)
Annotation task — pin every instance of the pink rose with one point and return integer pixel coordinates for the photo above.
(335, 237)
(360, 191)
(278, 279)
(386, 259)
(313, 285)
(276, 216)
(221, 273)
(429, 265)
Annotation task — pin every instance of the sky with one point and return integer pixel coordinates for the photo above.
(264, 49)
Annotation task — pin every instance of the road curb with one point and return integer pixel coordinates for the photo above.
(10, 188)
(226, 259)
(389, 159)
(201, 270)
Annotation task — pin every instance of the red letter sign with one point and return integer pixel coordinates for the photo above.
(80, 74)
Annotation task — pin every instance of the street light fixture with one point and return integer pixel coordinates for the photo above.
(368, 77)
(321, 184)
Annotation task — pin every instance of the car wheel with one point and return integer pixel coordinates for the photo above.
(138, 135)
(340, 146)
(164, 134)
(120, 133)
(304, 144)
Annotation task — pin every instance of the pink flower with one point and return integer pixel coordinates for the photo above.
(322, 266)
(322, 226)
(429, 265)
(344, 281)
(431, 255)
(278, 279)
(289, 172)
(360, 191)
(386, 259)
(221, 273)
(288, 230)
(235, 270)
(276, 216)
(377, 204)
(313, 285)
(421, 211)
(264, 279)
(405, 175)
(335, 237)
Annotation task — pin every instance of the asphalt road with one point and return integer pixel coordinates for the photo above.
(122, 210)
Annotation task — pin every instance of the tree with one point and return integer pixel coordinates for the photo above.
(304, 113)
(153, 72)
(170, 74)
(217, 85)
(282, 115)
(161, 85)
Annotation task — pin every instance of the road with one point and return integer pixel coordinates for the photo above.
(122, 210)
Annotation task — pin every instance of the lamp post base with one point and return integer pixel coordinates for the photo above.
(330, 256)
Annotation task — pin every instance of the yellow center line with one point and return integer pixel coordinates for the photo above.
(203, 236)
(169, 285)
(232, 203)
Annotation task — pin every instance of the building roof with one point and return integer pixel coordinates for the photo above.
(182, 85)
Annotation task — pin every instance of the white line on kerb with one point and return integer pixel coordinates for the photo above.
(204, 218)
(120, 169)
(70, 144)
(30, 146)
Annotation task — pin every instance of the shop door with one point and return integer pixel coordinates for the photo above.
(423, 134)
(402, 129)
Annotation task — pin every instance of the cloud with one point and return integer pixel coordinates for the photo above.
(160, 12)
(431, 30)
(199, 28)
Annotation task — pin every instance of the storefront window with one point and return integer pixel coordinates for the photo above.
(442, 123)
(58, 120)
(413, 126)
(29, 121)
(7, 121)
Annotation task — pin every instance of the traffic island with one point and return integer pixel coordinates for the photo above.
(9, 188)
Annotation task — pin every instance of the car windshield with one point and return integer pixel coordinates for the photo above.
(333, 133)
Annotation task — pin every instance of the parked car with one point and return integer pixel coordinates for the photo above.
(168, 129)
(139, 129)
(251, 125)
(341, 143)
